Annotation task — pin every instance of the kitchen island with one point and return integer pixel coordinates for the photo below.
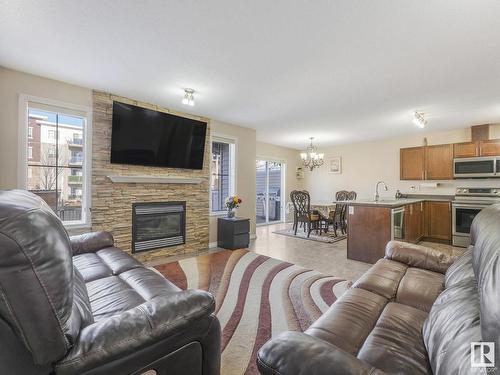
(371, 224)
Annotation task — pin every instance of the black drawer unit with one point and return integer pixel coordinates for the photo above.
(233, 233)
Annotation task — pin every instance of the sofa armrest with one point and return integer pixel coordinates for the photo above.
(91, 242)
(121, 335)
(419, 256)
(297, 353)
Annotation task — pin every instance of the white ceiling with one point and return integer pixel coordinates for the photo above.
(342, 71)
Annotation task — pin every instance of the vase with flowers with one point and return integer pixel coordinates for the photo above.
(232, 203)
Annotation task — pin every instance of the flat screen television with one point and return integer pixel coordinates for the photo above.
(145, 137)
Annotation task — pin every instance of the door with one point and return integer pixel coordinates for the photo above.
(439, 220)
(439, 162)
(463, 214)
(412, 163)
(270, 188)
(466, 150)
(490, 147)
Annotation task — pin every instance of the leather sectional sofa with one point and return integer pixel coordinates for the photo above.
(79, 305)
(415, 312)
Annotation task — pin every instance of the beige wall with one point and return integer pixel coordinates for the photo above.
(363, 164)
(245, 171)
(291, 159)
(13, 83)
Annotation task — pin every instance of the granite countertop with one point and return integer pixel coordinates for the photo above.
(392, 202)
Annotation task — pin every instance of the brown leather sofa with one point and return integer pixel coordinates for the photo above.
(82, 306)
(414, 312)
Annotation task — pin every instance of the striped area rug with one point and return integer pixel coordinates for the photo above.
(257, 297)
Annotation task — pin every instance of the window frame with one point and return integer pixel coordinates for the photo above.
(233, 151)
(22, 157)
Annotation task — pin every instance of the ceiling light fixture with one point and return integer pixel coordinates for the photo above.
(188, 97)
(419, 119)
(311, 158)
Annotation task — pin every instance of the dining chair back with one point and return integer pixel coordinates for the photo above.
(341, 195)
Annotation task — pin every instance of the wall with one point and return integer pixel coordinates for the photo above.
(13, 83)
(291, 159)
(245, 172)
(363, 164)
(112, 202)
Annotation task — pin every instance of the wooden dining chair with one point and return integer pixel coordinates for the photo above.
(303, 214)
(351, 196)
(341, 195)
(337, 218)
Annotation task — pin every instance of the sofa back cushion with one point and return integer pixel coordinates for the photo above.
(36, 277)
(485, 234)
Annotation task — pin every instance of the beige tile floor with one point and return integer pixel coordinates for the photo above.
(328, 258)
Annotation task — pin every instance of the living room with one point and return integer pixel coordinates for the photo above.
(235, 188)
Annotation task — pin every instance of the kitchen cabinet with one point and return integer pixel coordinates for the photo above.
(427, 163)
(438, 221)
(489, 148)
(466, 150)
(412, 162)
(414, 222)
(439, 162)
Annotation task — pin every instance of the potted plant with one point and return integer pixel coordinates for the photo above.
(232, 203)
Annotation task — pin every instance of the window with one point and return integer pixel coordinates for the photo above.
(56, 169)
(222, 180)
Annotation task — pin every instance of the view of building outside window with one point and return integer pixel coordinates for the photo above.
(220, 183)
(55, 168)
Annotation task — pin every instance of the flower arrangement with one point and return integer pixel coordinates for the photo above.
(232, 203)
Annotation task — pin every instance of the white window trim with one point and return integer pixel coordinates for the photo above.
(233, 188)
(22, 159)
(30, 132)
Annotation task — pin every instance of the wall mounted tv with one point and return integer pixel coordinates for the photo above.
(145, 137)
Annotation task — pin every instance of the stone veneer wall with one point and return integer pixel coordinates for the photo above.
(112, 202)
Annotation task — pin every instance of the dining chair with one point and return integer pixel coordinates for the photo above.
(337, 218)
(341, 195)
(351, 196)
(303, 214)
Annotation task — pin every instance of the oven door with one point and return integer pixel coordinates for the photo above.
(474, 167)
(463, 214)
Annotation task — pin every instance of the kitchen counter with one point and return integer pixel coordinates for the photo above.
(372, 224)
(393, 203)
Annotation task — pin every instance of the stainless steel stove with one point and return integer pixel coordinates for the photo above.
(467, 204)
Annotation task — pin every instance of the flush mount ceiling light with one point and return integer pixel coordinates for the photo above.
(310, 157)
(188, 97)
(419, 120)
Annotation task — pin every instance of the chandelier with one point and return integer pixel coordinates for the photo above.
(419, 119)
(311, 158)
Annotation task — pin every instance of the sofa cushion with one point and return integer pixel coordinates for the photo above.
(348, 322)
(460, 270)
(485, 231)
(419, 288)
(453, 323)
(36, 269)
(407, 285)
(395, 345)
(382, 278)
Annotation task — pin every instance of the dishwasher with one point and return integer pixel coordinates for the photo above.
(397, 223)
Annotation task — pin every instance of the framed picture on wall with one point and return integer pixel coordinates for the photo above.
(335, 165)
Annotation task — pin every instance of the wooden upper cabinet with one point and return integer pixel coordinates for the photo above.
(439, 162)
(490, 147)
(412, 163)
(438, 218)
(466, 150)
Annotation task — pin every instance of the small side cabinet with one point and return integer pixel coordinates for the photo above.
(233, 233)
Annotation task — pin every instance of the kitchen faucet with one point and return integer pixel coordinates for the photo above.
(377, 197)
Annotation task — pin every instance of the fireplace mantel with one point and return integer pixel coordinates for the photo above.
(154, 180)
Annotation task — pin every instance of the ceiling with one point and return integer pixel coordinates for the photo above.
(342, 71)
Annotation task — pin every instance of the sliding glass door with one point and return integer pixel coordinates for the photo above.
(270, 188)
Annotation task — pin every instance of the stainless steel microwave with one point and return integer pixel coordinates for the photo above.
(479, 167)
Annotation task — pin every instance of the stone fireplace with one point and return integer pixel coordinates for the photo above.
(157, 225)
(119, 189)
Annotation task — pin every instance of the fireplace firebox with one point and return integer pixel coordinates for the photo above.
(159, 224)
